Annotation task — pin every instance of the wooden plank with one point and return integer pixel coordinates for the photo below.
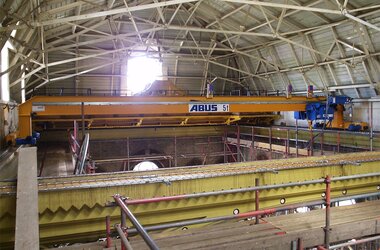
(347, 222)
(27, 228)
(311, 237)
(360, 211)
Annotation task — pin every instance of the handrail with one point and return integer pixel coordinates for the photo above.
(125, 211)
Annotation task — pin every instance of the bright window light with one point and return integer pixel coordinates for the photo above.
(145, 166)
(5, 95)
(141, 72)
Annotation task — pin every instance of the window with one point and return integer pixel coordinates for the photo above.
(142, 72)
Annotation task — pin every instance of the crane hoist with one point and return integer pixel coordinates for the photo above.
(330, 114)
(99, 112)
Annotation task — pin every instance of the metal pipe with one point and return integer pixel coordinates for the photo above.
(300, 244)
(175, 151)
(238, 144)
(287, 149)
(251, 189)
(128, 154)
(138, 158)
(250, 214)
(79, 165)
(257, 202)
(371, 129)
(123, 238)
(338, 141)
(148, 240)
(75, 135)
(348, 15)
(270, 142)
(321, 248)
(360, 133)
(328, 206)
(108, 231)
(297, 138)
(321, 141)
(253, 144)
(82, 115)
(351, 243)
(123, 225)
(311, 142)
(224, 145)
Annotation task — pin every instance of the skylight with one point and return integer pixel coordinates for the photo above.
(141, 72)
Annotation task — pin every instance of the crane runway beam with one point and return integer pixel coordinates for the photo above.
(159, 108)
(73, 208)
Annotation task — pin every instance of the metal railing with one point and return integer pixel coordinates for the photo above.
(121, 228)
(327, 201)
(155, 92)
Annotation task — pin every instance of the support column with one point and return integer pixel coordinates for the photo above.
(371, 126)
(83, 123)
(270, 143)
(27, 224)
(238, 144)
(175, 151)
(328, 205)
(257, 200)
(296, 137)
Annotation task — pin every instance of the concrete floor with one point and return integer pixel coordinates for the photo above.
(54, 159)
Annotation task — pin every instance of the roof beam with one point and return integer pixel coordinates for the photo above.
(286, 6)
(99, 14)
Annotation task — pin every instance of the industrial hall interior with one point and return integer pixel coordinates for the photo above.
(190, 124)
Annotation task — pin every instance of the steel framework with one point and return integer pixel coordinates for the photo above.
(240, 42)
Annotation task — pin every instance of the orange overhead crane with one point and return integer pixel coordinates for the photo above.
(143, 111)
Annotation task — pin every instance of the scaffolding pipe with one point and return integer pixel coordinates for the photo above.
(148, 240)
(108, 231)
(356, 242)
(250, 189)
(371, 126)
(123, 238)
(296, 137)
(238, 144)
(270, 142)
(83, 121)
(79, 165)
(257, 201)
(328, 207)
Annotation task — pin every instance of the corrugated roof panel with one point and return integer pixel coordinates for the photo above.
(297, 81)
(303, 55)
(366, 92)
(285, 55)
(314, 79)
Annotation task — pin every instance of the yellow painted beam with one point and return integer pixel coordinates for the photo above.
(60, 107)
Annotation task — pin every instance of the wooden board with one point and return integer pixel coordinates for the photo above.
(27, 229)
(274, 232)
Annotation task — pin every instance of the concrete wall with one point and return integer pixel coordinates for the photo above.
(190, 151)
(287, 118)
(361, 113)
